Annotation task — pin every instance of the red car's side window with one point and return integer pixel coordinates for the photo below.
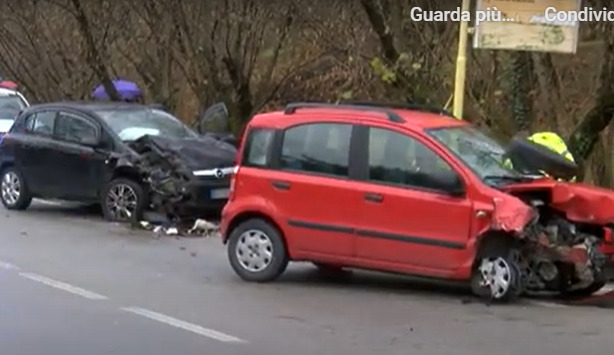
(398, 159)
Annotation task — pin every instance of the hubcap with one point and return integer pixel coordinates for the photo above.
(121, 202)
(254, 250)
(496, 275)
(11, 188)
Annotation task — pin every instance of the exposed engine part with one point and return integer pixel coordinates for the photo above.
(559, 256)
(166, 174)
(547, 270)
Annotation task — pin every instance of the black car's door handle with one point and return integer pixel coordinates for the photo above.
(281, 185)
(374, 197)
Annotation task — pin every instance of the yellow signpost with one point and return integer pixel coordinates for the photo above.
(461, 65)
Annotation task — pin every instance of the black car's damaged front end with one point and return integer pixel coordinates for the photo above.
(184, 176)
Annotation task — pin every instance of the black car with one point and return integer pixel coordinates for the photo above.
(127, 157)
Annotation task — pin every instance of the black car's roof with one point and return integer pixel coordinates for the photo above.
(92, 105)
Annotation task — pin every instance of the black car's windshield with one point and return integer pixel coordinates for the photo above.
(482, 154)
(131, 124)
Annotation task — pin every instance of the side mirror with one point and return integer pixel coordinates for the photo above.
(450, 183)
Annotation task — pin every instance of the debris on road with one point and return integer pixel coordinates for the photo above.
(201, 227)
(204, 227)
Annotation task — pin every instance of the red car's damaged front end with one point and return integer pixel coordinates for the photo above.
(561, 232)
(571, 223)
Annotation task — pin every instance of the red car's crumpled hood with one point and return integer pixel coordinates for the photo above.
(580, 202)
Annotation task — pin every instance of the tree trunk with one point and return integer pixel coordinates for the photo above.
(94, 57)
(521, 80)
(586, 135)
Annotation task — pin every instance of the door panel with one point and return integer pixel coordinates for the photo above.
(319, 212)
(405, 215)
(80, 166)
(33, 154)
(312, 188)
(413, 227)
(80, 170)
(34, 158)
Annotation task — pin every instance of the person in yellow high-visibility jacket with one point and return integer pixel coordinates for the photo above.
(553, 142)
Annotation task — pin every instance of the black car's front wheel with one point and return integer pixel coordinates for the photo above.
(123, 200)
(13, 190)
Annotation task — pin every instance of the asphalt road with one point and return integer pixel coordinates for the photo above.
(71, 284)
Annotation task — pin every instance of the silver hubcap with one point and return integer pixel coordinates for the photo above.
(254, 250)
(11, 188)
(496, 275)
(121, 202)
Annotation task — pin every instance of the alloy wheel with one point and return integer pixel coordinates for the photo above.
(122, 202)
(11, 188)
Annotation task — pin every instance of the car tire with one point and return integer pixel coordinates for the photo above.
(123, 200)
(11, 183)
(497, 275)
(257, 251)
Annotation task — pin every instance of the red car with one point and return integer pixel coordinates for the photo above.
(404, 190)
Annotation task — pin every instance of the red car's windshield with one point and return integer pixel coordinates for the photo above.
(480, 153)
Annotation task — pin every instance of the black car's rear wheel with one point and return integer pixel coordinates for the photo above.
(13, 190)
(123, 200)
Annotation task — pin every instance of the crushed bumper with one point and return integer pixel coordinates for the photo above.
(207, 194)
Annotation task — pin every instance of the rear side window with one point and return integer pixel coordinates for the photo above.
(322, 148)
(257, 147)
(41, 123)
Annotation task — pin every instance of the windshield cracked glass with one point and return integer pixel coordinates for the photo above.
(482, 154)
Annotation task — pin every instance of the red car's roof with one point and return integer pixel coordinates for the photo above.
(413, 119)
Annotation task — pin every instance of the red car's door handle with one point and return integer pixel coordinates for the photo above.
(371, 197)
(281, 185)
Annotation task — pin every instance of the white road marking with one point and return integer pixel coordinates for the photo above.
(177, 323)
(64, 286)
(8, 266)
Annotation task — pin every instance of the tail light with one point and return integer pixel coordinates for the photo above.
(233, 182)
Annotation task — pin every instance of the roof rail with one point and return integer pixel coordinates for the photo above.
(401, 106)
(393, 117)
